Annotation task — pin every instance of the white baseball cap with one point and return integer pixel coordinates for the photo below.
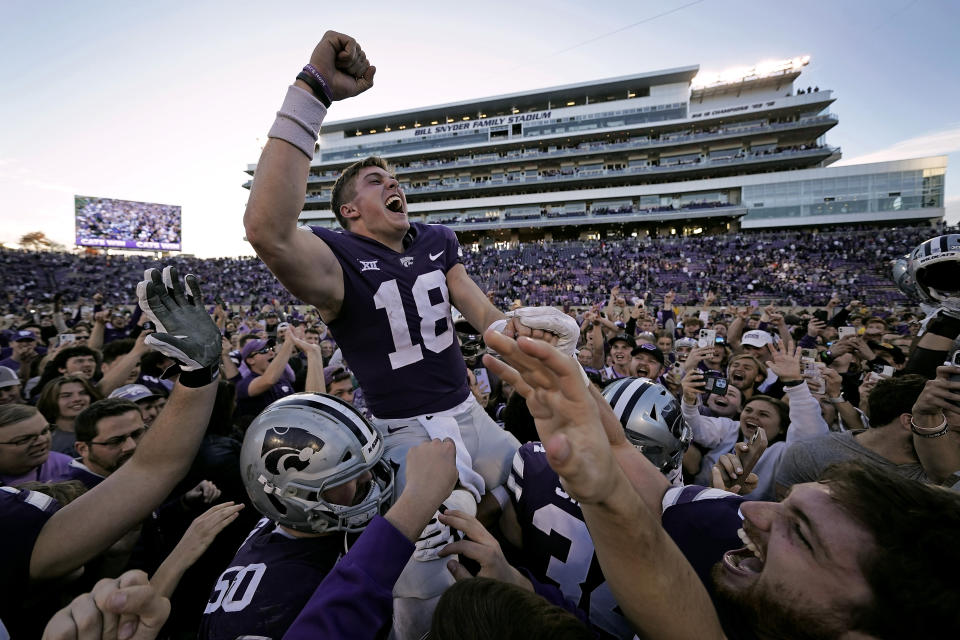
(757, 338)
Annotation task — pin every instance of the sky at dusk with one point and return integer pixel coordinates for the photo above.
(170, 102)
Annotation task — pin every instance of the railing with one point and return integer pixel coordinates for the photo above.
(592, 147)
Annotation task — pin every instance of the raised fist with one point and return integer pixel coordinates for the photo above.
(343, 64)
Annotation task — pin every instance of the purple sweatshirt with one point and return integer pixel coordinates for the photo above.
(355, 600)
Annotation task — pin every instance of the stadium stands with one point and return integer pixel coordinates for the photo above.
(790, 268)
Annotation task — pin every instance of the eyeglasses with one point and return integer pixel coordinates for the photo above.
(264, 350)
(118, 441)
(29, 439)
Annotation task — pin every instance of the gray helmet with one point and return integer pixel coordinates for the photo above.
(652, 420)
(935, 268)
(305, 444)
(903, 278)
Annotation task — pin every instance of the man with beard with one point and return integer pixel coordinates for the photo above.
(647, 361)
(107, 435)
(852, 556)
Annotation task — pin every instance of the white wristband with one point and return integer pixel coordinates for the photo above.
(298, 121)
(500, 493)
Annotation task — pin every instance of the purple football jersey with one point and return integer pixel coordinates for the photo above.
(395, 326)
(557, 547)
(267, 584)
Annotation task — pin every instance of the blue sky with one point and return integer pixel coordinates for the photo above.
(169, 102)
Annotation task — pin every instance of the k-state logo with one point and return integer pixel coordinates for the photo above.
(368, 265)
(406, 261)
(286, 448)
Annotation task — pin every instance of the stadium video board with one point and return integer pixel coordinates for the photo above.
(124, 224)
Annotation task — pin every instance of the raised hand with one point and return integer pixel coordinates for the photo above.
(786, 366)
(481, 547)
(203, 530)
(833, 380)
(692, 385)
(184, 330)
(733, 471)
(544, 323)
(696, 356)
(939, 394)
(815, 327)
(343, 64)
(205, 492)
(566, 415)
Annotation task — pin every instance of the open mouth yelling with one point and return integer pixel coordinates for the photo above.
(746, 561)
(749, 428)
(394, 203)
(737, 377)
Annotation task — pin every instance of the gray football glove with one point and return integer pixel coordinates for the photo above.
(184, 330)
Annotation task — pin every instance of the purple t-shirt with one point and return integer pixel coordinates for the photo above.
(395, 326)
(248, 405)
(53, 470)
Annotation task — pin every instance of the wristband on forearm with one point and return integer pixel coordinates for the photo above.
(194, 379)
(298, 121)
(317, 83)
(930, 432)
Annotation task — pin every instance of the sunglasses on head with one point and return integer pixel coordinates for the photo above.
(339, 374)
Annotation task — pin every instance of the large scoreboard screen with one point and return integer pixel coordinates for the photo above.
(124, 224)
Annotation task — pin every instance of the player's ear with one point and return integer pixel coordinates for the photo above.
(349, 211)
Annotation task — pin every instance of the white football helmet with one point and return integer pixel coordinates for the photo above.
(301, 446)
(652, 420)
(935, 268)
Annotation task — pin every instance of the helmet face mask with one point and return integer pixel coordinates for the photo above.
(472, 346)
(651, 419)
(304, 445)
(324, 516)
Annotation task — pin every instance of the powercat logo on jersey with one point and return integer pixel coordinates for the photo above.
(406, 261)
(368, 265)
(286, 448)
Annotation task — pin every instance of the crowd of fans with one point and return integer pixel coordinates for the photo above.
(789, 268)
(713, 321)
